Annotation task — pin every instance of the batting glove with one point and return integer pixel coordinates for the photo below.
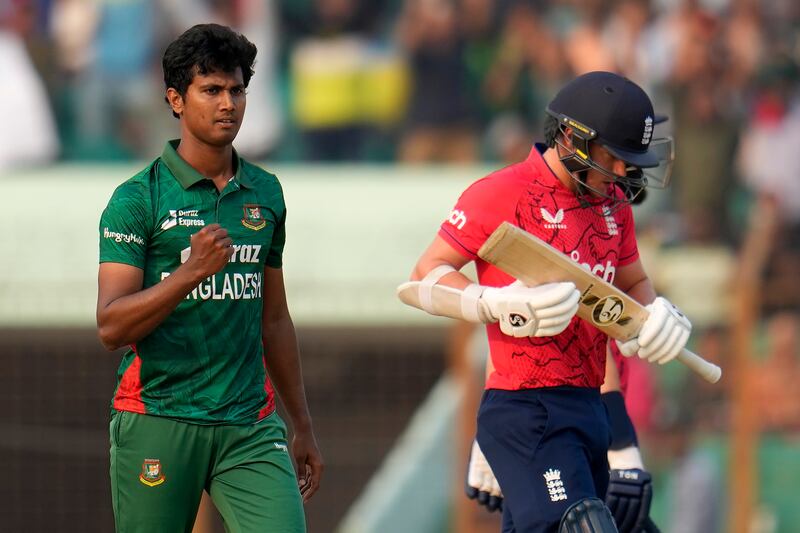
(628, 497)
(663, 334)
(481, 484)
(541, 311)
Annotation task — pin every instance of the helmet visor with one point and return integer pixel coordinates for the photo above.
(658, 177)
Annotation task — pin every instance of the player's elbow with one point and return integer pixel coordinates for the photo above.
(110, 338)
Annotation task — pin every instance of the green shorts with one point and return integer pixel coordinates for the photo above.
(160, 467)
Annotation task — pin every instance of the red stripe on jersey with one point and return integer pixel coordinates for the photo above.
(129, 392)
(270, 406)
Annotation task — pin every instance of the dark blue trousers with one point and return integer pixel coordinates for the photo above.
(547, 448)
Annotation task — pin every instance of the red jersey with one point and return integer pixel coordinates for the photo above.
(529, 195)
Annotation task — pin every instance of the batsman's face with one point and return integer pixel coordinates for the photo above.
(598, 180)
(213, 107)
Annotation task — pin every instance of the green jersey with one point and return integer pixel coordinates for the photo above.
(204, 363)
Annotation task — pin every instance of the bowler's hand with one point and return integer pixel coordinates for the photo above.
(308, 463)
(211, 250)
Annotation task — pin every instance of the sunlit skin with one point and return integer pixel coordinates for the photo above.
(211, 114)
(595, 180)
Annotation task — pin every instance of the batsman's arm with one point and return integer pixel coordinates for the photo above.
(282, 359)
(522, 311)
(633, 280)
(437, 254)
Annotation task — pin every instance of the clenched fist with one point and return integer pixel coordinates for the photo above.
(210, 251)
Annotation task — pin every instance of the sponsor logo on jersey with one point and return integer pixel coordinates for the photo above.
(127, 238)
(648, 130)
(152, 473)
(555, 487)
(182, 217)
(605, 272)
(242, 253)
(281, 447)
(228, 286)
(457, 218)
(252, 217)
(553, 221)
(611, 224)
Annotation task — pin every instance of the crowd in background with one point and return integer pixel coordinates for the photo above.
(458, 81)
(421, 80)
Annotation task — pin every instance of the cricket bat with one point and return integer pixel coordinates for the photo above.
(532, 261)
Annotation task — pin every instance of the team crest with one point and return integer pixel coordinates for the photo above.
(152, 474)
(252, 217)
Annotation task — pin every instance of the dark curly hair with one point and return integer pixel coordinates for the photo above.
(206, 48)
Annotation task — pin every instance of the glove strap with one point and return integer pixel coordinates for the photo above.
(427, 283)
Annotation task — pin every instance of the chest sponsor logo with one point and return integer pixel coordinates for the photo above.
(253, 218)
(457, 218)
(242, 253)
(183, 217)
(553, 221)
(605, 272)
(127, 238)
(611, 224)
(152, 473)
(228, 286)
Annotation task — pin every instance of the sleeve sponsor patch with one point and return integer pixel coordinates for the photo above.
(127, 238)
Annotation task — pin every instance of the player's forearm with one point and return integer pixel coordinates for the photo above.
(282, 358)
(130, 318)
(642, 291)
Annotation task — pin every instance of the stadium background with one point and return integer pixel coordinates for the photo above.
(375, 114)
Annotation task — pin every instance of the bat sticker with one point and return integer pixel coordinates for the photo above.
(607, 310)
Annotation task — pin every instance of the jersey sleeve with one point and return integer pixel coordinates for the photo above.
(275, 255)
(478, 212)
(628, 248)
(126, 225)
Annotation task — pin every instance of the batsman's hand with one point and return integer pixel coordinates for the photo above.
(629, 494)
(663, 335)
(541, 311)
(211, 249)
(481, 484)
(308, 463)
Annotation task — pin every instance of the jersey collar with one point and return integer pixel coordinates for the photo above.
(187, 175)
(537, 163)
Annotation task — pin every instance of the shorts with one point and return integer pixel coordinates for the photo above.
(547, 448)
(160, 467)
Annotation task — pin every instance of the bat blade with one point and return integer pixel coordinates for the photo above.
(533, 261)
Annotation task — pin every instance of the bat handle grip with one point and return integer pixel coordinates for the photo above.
(708, 371)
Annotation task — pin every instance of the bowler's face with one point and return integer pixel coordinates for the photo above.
(213, 107)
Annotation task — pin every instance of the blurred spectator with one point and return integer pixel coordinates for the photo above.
(332, 54)
(774, 379)
(28, 134)
(705, 124)
(528, 68)
(584, 46)
(440, 125)
(769, 160)
(111, 97)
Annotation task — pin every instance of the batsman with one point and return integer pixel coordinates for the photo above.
(542, 424)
